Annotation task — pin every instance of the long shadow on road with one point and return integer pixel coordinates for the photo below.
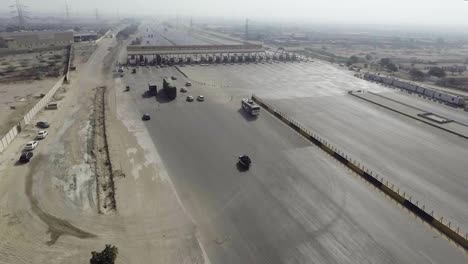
(56, 226)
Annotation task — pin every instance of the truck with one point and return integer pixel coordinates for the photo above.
(152, 89)
(169, 88)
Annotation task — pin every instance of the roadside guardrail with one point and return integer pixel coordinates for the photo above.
(376, 180)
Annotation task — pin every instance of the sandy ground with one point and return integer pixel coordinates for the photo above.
(22, 96)
(48, 207)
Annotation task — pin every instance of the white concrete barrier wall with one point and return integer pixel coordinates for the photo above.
(6, 140)
(43, 102)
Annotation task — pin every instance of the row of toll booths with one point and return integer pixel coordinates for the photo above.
(217, 59)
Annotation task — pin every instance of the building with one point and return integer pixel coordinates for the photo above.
(88, 36)
(35, 39)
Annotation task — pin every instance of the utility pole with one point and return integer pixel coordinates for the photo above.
(67, 10)
(21, 13)
(246, 30)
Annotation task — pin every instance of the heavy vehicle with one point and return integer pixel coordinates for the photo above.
(169, 89)
(250, 107)
(152, 89)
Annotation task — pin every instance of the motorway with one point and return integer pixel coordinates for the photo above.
(178, 36)
(296, 204)
(425, 162)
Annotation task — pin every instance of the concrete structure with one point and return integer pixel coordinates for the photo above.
(36, 39)
(181, 54)
(193, 49)
(87, 36)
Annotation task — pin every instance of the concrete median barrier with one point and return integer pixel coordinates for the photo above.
(454, 235)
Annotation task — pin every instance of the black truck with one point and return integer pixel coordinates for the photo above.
(169, 89)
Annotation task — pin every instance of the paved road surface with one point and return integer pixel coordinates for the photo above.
(295, 205)
(425, 162)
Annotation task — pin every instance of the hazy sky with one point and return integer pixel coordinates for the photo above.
(441, 12)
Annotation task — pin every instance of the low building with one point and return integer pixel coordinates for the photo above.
(88, 36)
(35, 39)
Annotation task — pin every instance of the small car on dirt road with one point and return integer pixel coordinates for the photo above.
(183, 90)
(189, 98)
(42, 124)
(31, 145)
(188, 84)
(42, 134)
(173, 77)
(200, 98)
(26, 156)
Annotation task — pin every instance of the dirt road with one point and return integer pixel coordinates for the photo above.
(49, 207)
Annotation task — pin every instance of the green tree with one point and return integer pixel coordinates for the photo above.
(352, 60)
(368, 57)
(437, 72)
(385, 61)
(392, 67)
(107, 256)
(416, 74)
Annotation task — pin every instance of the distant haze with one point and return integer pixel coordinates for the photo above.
(415, 12)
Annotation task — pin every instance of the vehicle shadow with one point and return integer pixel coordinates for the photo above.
(162, 98)
(241, 168)
(246, 115)
(146, 94)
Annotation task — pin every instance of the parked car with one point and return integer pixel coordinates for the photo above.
(200, 98)
(146, 117)
(245, 161)
(42, 124)
(173, 77)
(188, 84)
(189, 98)
(41, 134)
(183, 90)
(26, 156)
(31, 145)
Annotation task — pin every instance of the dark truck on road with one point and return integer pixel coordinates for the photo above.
(169, 89)
(152, 89)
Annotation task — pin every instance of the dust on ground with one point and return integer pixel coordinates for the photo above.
(32, 65)
(16, 99)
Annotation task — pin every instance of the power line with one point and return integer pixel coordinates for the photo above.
(67, 9)
(21, 13)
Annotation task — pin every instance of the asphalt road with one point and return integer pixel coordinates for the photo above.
(425, 162)
(295, 205)
(177, 36)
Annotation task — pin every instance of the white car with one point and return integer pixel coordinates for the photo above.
(200, 98)
(42, 134)
(31, 145)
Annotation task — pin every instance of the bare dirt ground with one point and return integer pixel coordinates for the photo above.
(16, 99)
(49, 207)
(32, 65)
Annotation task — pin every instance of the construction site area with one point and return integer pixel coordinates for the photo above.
(143, 152)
